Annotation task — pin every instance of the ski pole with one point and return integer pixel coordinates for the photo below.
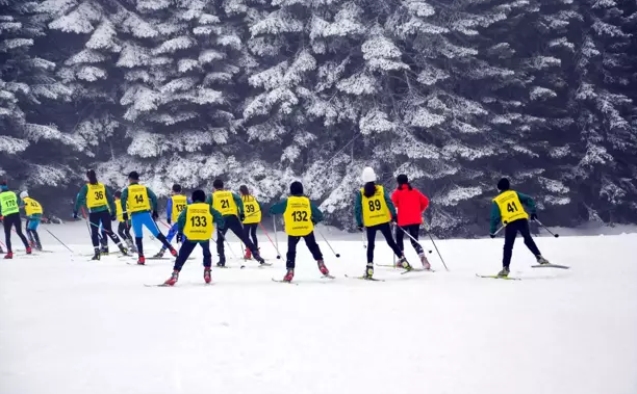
(276, 239)
(364, 239)
(227, 243)
(57, 239)
(545, 228)
(328, 244)
(437, 251)
(412, 238)
(278, 254)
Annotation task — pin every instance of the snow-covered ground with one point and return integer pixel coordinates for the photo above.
(72, 326)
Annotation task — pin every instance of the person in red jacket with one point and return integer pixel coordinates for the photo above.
(410, 204)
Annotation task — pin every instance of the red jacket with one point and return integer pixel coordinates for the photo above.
(410, 205)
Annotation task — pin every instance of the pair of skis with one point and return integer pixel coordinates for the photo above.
(533, 266)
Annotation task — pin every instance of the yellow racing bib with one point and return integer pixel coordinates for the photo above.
(199, 222)
(32, 207)
(298, 217)
(223, 201)
(511, 208)
(179, 204)
(138, 200)
(95, 195)
(119, 211)
(375, 209)
(251, 210)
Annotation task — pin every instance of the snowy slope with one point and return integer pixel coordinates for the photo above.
(72, 326)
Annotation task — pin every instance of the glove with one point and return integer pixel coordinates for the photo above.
(492, 235)
(359, 228)
(125, 216)
(242, 216)
(169, 221)
(74, 215)
(113, 217)
(534, 216)
(393, 219)
(180, 238)
(155, 215)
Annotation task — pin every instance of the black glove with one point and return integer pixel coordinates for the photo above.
(155, 215)
(359, 228)
(113, 217)
(242, 216)
(125, 216)
(74, 215)
(180, 238)
(492, 235)
(534, 216)
(169, 221)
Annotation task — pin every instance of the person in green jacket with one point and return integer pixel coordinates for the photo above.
(299, 215)
(10, 216)
(195, 226)
(101, 210)
(510, 208)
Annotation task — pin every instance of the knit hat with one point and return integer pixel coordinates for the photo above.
(402, 179)
(177, 188)
(217, 184)
(504, 184)
(198, 196)
(296, 188)
(368, 175)
(133, 176)
(24, 194)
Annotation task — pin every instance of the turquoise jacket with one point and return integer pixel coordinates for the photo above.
(496, 216)
(235, 197)
(216, 216)
(280, 207)
(358, 207)
(151, 196)
(80, 201)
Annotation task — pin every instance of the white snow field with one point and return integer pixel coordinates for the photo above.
(72, 326)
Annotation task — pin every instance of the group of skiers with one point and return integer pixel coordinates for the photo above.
(10, 205)
(192, 220)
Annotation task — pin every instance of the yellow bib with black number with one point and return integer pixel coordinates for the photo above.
(375, 209)
(199, 222)
(298, 217)
(179, 204)
(96, 195)
(9, 203)
(223, 201)
(138, 200)
(32, 207)
(251, 210)
(511, 208)
(119, 211)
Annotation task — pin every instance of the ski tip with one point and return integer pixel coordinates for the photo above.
(497, 277)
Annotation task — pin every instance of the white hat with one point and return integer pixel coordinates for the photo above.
(368, 175)
(24, 194)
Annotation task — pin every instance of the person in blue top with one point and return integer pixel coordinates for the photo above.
(142, 210)
(175, 205)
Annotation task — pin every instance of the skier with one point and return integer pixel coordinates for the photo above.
(123, 226)
(411, 204)
(142, 210)
(195, 225)
(299, 215)
(10, 216)
(252, 218)
(374, 209)
(508, 208)
(231, 207)
(101, 210)
(174, 206)
(34, 212)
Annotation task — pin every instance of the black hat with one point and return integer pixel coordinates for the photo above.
(177, 188)
(198, 196)
(402, 179)
(217, 184)
(296, 188)
(133, 176)
(504, 184)
(118, 193)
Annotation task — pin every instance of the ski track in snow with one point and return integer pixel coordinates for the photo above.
(72, 326)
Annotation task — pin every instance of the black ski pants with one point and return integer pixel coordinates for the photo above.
(412, 230)
(250, 231)
(232, 223)
(310, 241)
(103, 217)
(13, 220)
(510, 232)
(186, 249)
(371, 241)
(123, 229)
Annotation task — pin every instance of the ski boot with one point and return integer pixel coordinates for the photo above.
(104, 250)
(29, 250)
(97, 255)
(160, 254)
(323, 268)
(247, 255)
(141, 260)
(260, 259)
(541, 260)
(221, 263)
(424, 261)
(173, 279)
(8, 256)
(289, 275)
(504, 273)
(369, 271)
(206, 275)
(122, 249)
(131, 245)
(404, 264)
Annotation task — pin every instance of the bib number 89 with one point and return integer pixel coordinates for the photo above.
(374, 205)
